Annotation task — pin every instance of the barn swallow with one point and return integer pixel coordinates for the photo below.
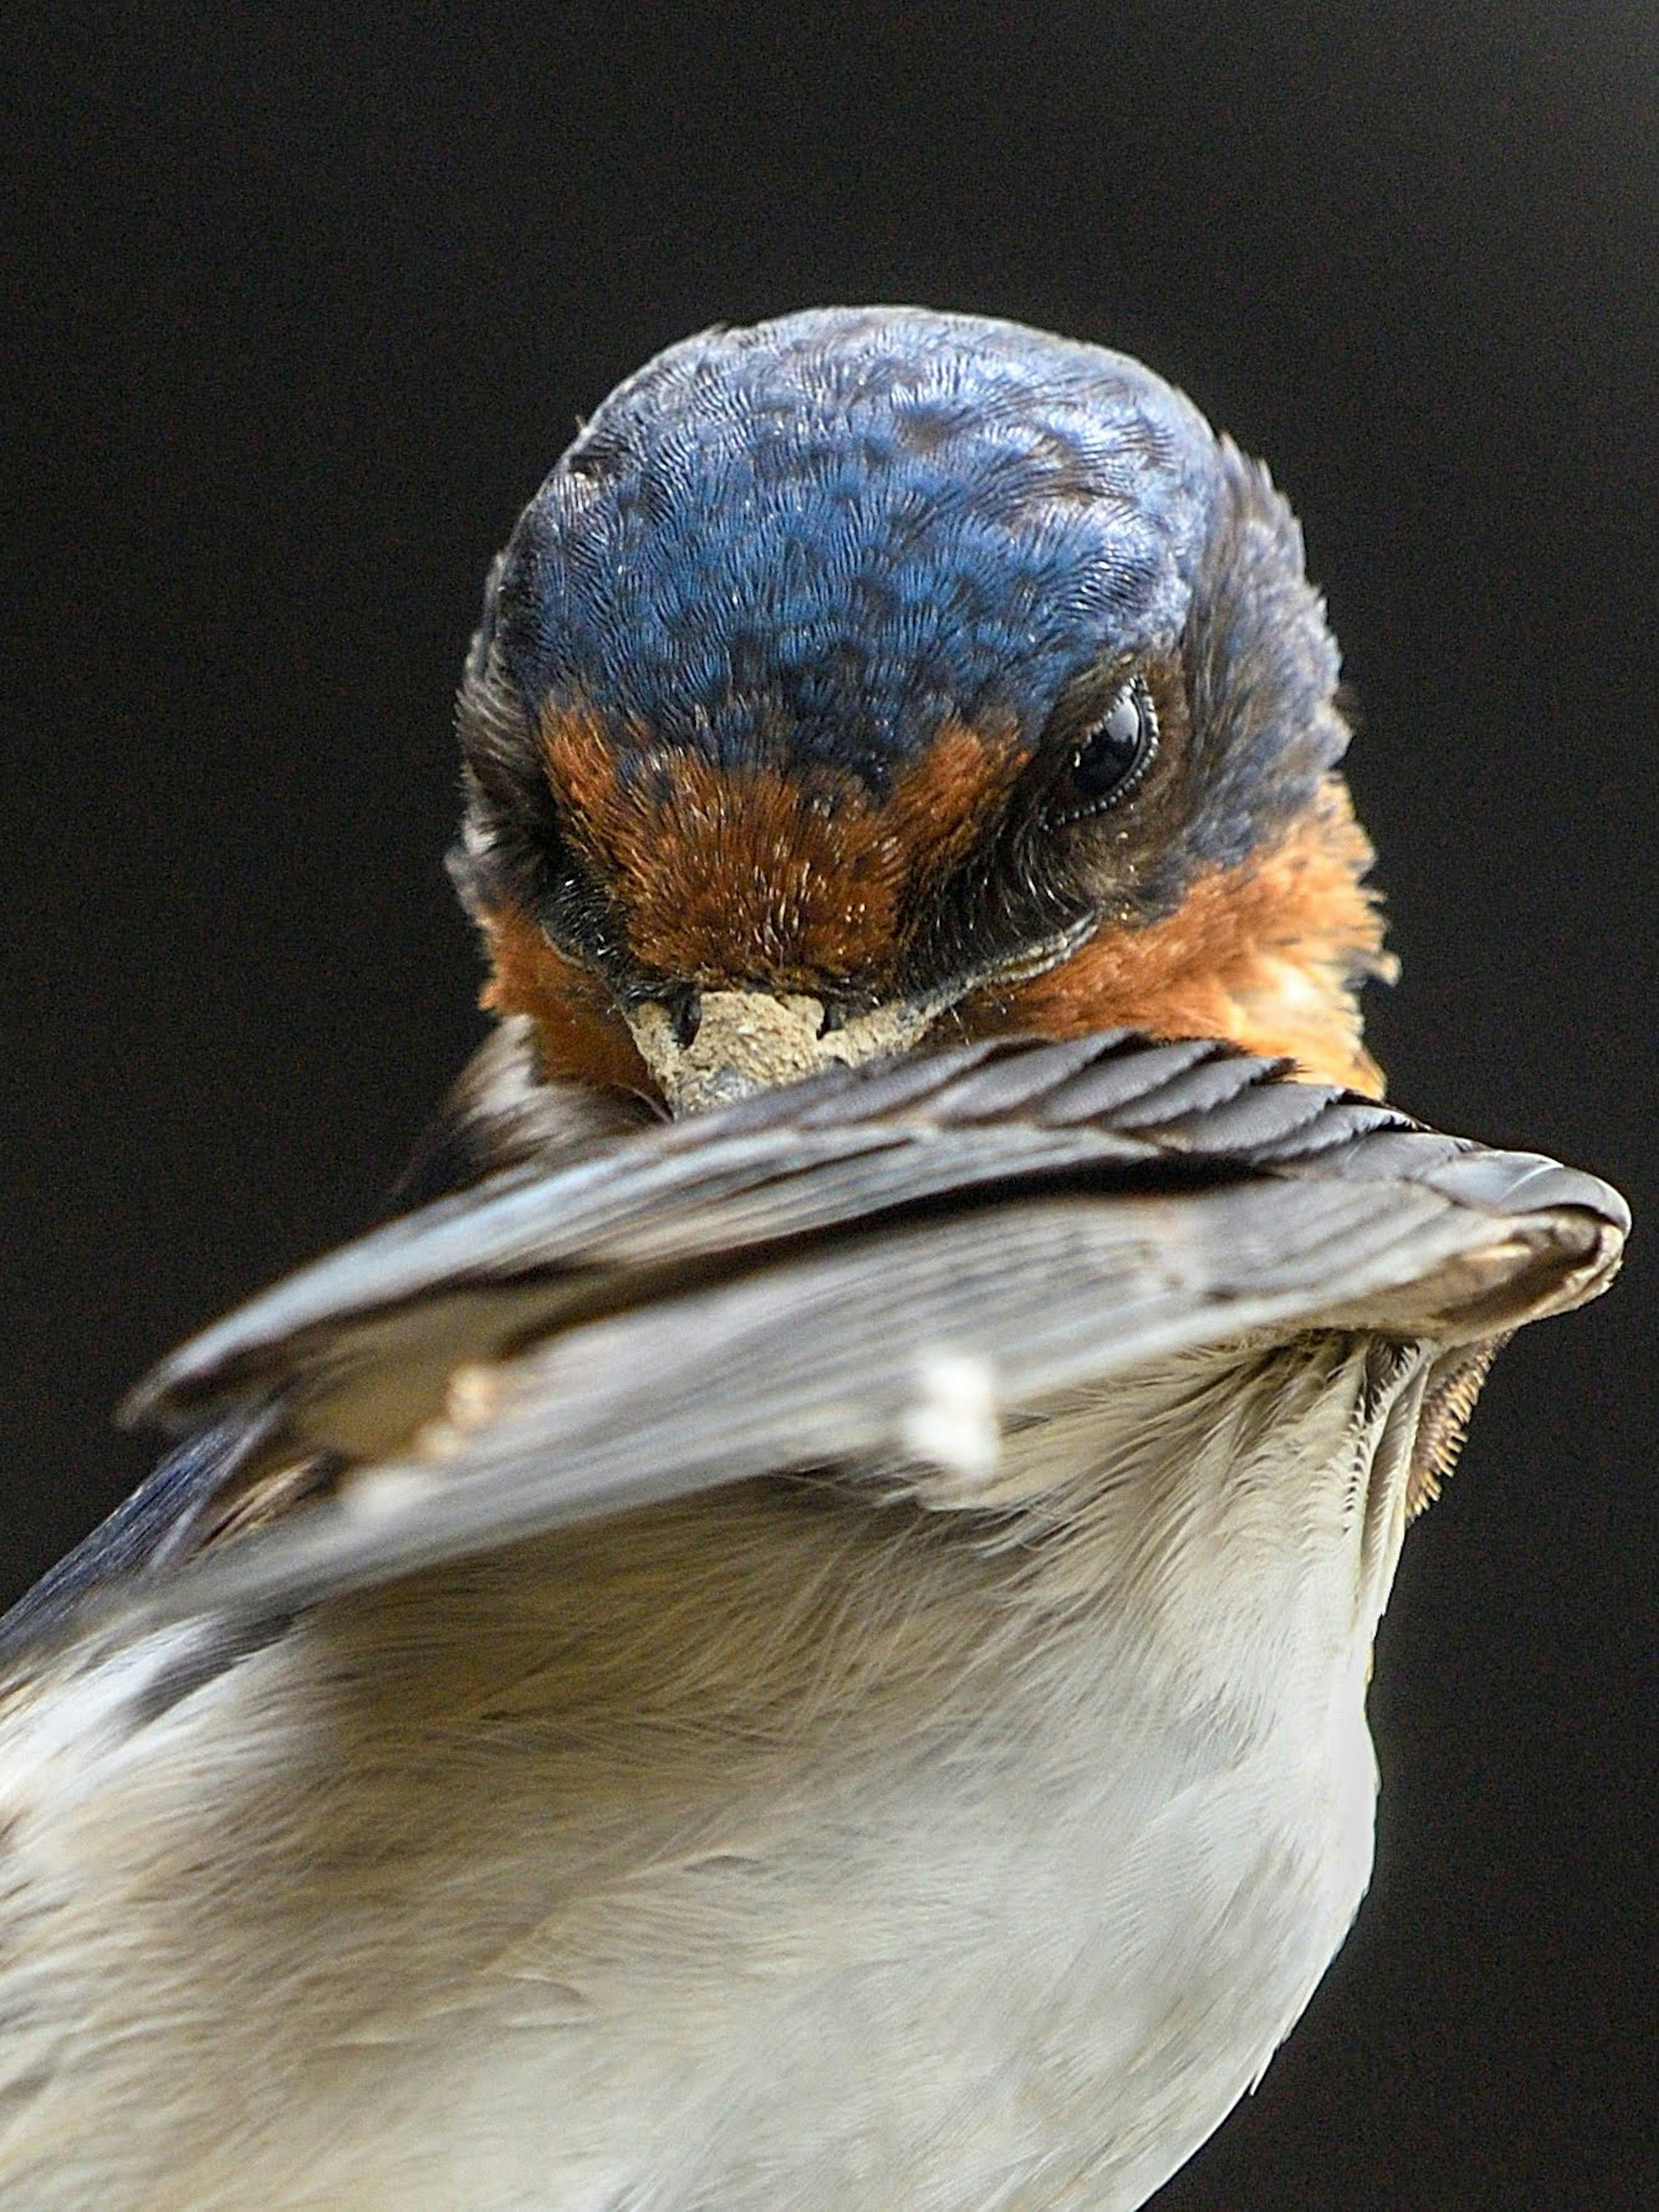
(792, 1629)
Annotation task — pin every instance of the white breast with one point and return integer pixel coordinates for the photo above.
(776, 1850)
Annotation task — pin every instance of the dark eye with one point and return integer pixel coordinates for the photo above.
(1113, 753)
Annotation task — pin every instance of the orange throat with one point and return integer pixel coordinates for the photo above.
(1269, 955)
(580, 1036)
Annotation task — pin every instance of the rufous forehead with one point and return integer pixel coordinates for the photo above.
(798, 875)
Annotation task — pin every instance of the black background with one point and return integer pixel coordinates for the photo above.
(306, 313)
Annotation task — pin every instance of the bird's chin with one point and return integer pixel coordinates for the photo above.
(749, 1040)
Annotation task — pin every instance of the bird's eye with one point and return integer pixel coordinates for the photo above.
(1113, 753)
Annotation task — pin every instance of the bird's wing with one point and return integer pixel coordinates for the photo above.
(782, 1287)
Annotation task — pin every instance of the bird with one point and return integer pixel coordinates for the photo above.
(791, 1628)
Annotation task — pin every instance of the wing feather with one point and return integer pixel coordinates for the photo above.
(972, 1126)
(762, 1292)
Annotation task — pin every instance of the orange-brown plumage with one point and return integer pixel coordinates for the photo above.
(579, 1032)
(753, 874)
(1266, 954)
(804, 879)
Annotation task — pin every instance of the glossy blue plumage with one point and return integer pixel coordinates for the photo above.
(836, 528)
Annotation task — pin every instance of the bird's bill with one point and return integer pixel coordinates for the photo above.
(743, 1041)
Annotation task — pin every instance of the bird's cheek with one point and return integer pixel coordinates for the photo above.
(581, 1033)
(1268, 955)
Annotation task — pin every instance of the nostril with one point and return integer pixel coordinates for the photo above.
(684, 1011)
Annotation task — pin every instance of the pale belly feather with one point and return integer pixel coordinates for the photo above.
(771, 1851)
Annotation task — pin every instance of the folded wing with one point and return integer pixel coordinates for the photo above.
(780, 1287)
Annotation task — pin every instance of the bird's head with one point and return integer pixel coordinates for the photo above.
(873, 672)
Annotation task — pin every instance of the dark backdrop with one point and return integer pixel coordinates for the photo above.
(306, 311)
